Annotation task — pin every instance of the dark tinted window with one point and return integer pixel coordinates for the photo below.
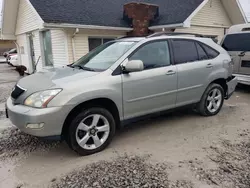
(95, 42)
(184, 51)
(153, 55)
(211, 53)
(201, 52)
(237, 42)
(107, 40)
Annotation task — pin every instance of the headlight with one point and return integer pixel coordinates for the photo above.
(42, 98)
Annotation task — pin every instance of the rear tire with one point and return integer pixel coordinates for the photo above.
(91, 131)
(212, 100)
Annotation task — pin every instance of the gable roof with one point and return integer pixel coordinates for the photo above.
(110, 12)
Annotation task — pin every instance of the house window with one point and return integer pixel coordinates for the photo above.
(95, 42)
(47, 48)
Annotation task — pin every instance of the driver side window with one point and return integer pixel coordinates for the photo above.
(153, 55)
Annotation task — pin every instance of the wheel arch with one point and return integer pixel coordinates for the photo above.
(223, 83)
(98, 102)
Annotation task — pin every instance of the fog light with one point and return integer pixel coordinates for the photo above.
(35, 125)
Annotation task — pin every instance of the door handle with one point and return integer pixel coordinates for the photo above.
(170, 72)
(209, 65)
(242, 54)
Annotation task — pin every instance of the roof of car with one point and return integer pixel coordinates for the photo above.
(110, 12)
(137, 39)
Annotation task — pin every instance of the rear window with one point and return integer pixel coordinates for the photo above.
(237, 42)
(201, 52)
(211, 53)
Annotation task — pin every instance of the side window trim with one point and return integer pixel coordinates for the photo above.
(172, 49)
(118, 70)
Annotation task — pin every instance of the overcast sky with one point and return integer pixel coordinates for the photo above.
(245, 5)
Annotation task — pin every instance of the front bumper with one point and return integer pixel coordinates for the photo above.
(243, 79)
(53, 119)
(231, 86)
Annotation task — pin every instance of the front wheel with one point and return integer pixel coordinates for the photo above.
(91, 131)
(212, 100)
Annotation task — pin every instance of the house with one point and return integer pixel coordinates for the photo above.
(51, 33)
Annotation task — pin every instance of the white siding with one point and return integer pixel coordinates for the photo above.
(233, 11)
(81, 40)
(27, 19)
(81, 45)
(24, 50)
(212, 14)
(24, 57)
(37, 49)
(204, 31)
(59, 47)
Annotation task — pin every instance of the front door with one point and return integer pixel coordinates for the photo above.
(154, 88)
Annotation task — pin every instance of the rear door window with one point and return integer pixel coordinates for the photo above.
(237, 42)
(184, 51)
(201, 52)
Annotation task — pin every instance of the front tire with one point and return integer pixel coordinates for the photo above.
(212, 100)
(91, 131)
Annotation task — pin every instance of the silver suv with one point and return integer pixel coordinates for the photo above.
(237, 43)
(85, 102)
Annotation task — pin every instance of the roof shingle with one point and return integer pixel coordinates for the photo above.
(109, 12)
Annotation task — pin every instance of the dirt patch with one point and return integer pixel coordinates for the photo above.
(232, 161)
(13, 142)
(126, 171)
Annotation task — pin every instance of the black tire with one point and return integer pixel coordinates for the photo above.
(202, 106)
(71, 137)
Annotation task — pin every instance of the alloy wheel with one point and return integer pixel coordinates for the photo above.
(214, 100)
(92, 132)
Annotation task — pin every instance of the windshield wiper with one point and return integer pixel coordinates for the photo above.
(70, 65)
(84, 68)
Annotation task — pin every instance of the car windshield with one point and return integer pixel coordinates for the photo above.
(104, 56)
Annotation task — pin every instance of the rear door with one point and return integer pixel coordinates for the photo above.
(238, 46)
(194, 66)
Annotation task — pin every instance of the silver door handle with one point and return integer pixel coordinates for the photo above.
(170, 72)
(209, 65)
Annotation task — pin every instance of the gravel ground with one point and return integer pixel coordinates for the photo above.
(232, 161)
(126, 171)
(5, 91)
(13, 143)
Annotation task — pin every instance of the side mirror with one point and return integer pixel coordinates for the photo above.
(133, 66)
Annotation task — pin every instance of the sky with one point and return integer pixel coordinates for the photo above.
(244, 3)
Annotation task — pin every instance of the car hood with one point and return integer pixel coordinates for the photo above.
(53, 78)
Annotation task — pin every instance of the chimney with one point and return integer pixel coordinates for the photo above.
(139, 15)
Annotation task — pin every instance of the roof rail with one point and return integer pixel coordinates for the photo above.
(173, 34)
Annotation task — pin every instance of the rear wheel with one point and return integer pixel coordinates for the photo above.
(212, 100)
(91, 131)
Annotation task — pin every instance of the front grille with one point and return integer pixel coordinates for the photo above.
(17, 92)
